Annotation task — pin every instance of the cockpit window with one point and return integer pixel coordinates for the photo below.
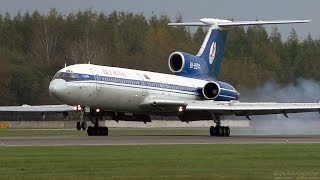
(66, 76)
(57, 75)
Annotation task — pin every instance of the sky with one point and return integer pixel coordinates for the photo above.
(190, 10)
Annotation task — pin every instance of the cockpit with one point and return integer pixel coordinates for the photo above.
(67, 76)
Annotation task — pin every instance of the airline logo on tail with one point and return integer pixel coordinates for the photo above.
(213, 50)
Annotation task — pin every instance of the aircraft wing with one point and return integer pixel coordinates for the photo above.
(233, 107)
(42, 108)
(247, 109)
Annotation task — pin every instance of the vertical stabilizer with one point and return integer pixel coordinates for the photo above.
(212, 50)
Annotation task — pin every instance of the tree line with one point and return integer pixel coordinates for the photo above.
(34, 46)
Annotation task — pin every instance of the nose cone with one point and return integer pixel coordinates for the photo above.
(58, 89)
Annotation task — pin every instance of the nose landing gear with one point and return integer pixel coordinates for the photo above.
(81, 124)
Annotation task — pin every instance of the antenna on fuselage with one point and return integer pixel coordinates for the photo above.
(65, 64)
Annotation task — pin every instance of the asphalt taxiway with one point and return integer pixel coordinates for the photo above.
(149, 140)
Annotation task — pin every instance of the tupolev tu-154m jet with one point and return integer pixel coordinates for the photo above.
(192, 93)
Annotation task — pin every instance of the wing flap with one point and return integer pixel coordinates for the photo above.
(152, 102)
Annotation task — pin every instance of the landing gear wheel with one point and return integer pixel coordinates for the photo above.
(227, 131)
(94, 131)
(218, 130)
(78, 126)
(90, 131)
(106, 131)
(212, 131)
(223, 131)
(97, 131)
(84, 125)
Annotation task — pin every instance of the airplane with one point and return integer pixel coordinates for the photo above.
(193, 92)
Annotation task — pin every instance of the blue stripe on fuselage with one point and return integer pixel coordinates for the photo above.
(132, 83)
(227, 91)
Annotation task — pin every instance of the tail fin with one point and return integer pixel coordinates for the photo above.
(212, 50)
(212, 47)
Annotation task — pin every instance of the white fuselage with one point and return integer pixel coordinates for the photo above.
(119, 89)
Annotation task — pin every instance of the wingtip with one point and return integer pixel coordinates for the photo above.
(303, 21)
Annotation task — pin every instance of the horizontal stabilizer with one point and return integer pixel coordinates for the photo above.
(228, 23)
(248, 23)
(188, 24)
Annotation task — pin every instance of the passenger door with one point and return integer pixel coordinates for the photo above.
(143, 85)
(97, 78)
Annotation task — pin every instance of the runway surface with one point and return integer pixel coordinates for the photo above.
(149, 140)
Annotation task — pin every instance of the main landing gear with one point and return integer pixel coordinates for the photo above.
(95, 130)
(81, 124)
(219, 130)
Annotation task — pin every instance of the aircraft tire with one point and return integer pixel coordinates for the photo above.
(101, 131)
(218, 131)
(78, 126)
(84, 125)
(212, 131)
(90, 131)
(106, 131)
(223, 130)
(97, 131)
(227, 131)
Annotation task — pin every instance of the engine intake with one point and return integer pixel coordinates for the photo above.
(176, 62)
(184, 64)
(218, 91)
(211, 90)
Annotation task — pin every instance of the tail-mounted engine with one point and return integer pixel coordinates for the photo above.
(211, 90)
(185, 64)
(188, 65)
(219, 91)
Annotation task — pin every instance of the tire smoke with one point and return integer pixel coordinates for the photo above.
(303, 123)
